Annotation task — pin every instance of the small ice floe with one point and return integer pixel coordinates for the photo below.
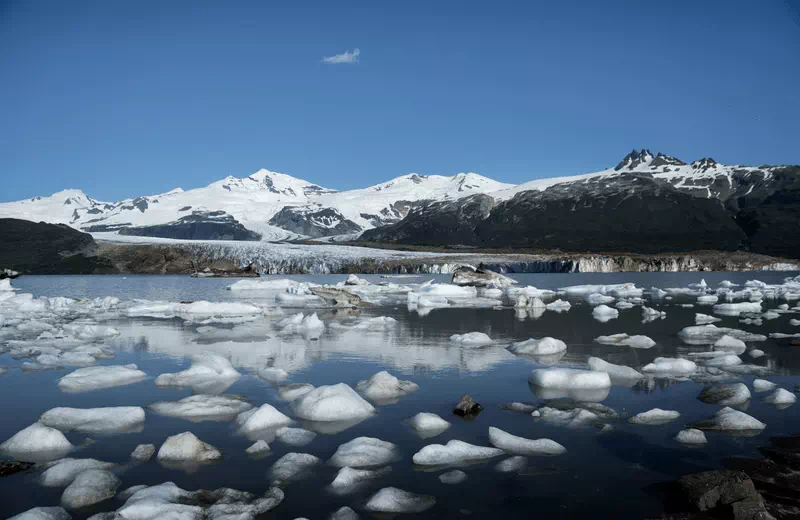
(203, 407)
(209, 373)
(90, 487)
(781, 396)
(350, 480)
(260, 447)
(62, 472)
(705, 319)
(604, 313)
(730, 420)
(709, 334)
(300, 295)
(794, 323)
(393, 500)
(735, 309)
(453, 453)
(624, 304)
(455, 476)
(42, 513)
(654, 417)
(292, 466)
(266, 417)
(185, 447)
(378, 323)
(428, 424)
(513, 464)
(529, 292)
(670, 366)
(726, 395)
(37, 442)
(332, 404)
(730, 344)
(707, 299)
(691, 436)
(727, 284)
(770, 315)
(745, 369)
(293, 391)
(762, 385)
(119, 419)
(280, 284)
(616, 372)
(598, 299)
(781, 335)
(649, 314)
(272, 374)
(582, 385)
(100, 377)
(522, 446)
(310, 327)
(384, 388)
(637, 341)
(143, 452)
(724, 360)
(471, 339)
(364, 452)
(538, 347)
(519, 407)
(294, 436)
(344, 513)
(620, 290)
(558, 306)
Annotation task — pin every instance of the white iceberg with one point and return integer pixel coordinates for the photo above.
(762, 385)
(730, 344)
(604, 313)
(654, 417)
(452, 477)
(348, 480)
(383, 386)
(756, 353)
(62, 472)
(637, 341)
(734, 309)
(90, 487)
(558, 306)
(614, 371)
(671, 366)
(454, 452)
(428, 424)
(724, 361)
(569, 378)
(511, 465)
(99, 377)
(36, 442)
(293, 391)
(521, 446)
(393, 500)
(471, 339)
(780, 396)
(272, 375)
(209, 372)
(364, 452)
(95, 420)
(597, 299)
(292, 466)
(294, 436)
(332, 404)
(650, 314)
(538, 347)
(705, 319)
(260, 447)
(143, 452)
(730, 420)
(185, 447)
(41, 513)
(725, 395)
(203, 407)
(691, 436)
(265, 417)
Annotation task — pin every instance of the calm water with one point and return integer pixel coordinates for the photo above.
(609, 474)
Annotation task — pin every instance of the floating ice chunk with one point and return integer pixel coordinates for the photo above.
(748, 370)
(756, 353)
(89, 488)
(724, 361)
(273, 375)
(770, 315)
(691, 436)
(62, 472)
(623, 305)
(513, 464)
(383, 387)
(37, 442)
(393, 500)
(428, 424)
(708, 334)
(471, 338)
(623, 339)
(260, 447)
(650, 314)
(348, 480)
(529, 292)
(538, 347)
(185, 447)
(725, 395)
(794, 323)
(621, 290)
(331, 404)
(41, 513)
(375, 324)
(294, 390)
(597, 299)
(294, 436)
(521, 446)
(705, 319)
(604, 313)
(730, 344)
(707, 299)
(280, 284)
(203, 407)
(780, 396)
(209, 372)
(92, 332)
(143, 452)
(727, 283)
(762, 385)
(308, 326)
(344, 513)
(99, 377)
(455, 476)
(292, 466)
(454, 452)
(265, 417)
(569, 378)
(671, 366)
(734, 309)
(445, 290)
(730, 420)
(614, 371)
(558, 306)
(95, 420)
(654, 417)
(364, 452)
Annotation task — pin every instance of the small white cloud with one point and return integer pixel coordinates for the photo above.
(345, 57)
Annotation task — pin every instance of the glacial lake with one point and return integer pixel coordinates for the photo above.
(604, 473)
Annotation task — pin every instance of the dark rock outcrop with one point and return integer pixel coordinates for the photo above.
(314, 221)
(467, 407)
(200, 225)
(31, 247)
(10, 467)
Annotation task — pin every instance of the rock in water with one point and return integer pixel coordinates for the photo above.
(467, 407)
(9, 467)
(710, 489)
(468, 275)
(725, 395)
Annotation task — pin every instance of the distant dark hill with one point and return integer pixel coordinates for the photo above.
(31, 247)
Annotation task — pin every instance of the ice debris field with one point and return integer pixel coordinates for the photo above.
(270, 333)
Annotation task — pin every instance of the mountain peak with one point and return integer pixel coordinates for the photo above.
(634, 159)
(666, 160)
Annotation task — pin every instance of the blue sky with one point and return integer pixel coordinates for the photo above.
(127, 98)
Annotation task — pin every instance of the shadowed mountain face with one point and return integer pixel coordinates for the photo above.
(36, 247)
